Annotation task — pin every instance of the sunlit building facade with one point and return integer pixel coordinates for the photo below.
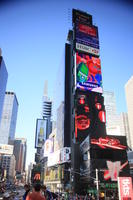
(129, 100)
(9, 118)
(20, 149)
(3, 82)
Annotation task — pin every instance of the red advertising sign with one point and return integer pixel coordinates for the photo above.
(125, 188)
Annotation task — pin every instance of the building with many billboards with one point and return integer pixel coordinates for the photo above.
(102, 157)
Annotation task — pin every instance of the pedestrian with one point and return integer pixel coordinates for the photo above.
(46, 193)
(27, 190)
(36, 194)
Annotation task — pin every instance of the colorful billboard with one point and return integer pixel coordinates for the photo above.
(109, 142)
(88, 37)
(41, 128)
(125, 188)
(89, 116)
(60, 156)
(88, 73)
(48, 147)
(109, 170)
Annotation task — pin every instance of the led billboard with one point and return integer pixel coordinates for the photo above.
(109, 142)
(125, 188)
(80, 16)
(88, 73)
(41, 128)
(110, 170)
(89, 116)
(88, 37)
(48, 147)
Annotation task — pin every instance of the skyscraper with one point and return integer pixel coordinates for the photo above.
(116, 124)
(47, 109)
(110, 107)
(124, 127)
(9, 118)
(3, 81)
(20, 149)
(129, 100)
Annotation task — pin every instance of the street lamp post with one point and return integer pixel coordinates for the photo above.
(97, 184)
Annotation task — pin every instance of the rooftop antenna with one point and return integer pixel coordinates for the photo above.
(46, 88)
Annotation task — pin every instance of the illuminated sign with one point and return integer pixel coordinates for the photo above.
(40, 132)
(55, 174)
(88, 37)
(108, 142)
(85, 145)
(89, 116)
(48, 147)
(113, 170)
(59, 156)
(87, 49)
(125, 188)
(89, 75)
(37, 176)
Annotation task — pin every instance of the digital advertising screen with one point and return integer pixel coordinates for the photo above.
(41, 128)
(89, 116)
(88, 71)
(125, 187)
(110, 170)
(108, 154)
(87, 35)
(86, 38)
(109, 142)
(79, 16)
(48, 147)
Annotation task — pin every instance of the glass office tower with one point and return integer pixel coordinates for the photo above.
(3, 82)
(9, 118)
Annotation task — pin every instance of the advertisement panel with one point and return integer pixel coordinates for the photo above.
(6, 149)
(125, 188)
(55, 174)
(80, 16)
(41, 128)
(109, 142)
(88, 69)
(109, 170)
(85, 145)
(86, 35)
(59, 156)
(48, 147)
(108, 154)
(89, 116)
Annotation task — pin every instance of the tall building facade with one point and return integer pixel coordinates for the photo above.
(20, 150)
(124, 127)
(47, 109)
(3, 82)
(8, 165)
(9, 118)
(110, 107)
(129, 101)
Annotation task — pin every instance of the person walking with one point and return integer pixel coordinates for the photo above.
(27, 190)
(46, 193)
(36, 194)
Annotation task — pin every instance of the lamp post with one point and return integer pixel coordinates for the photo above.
(97, 184)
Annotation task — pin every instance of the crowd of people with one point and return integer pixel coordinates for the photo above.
(40, 192)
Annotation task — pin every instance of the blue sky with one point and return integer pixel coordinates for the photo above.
(32, 38)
